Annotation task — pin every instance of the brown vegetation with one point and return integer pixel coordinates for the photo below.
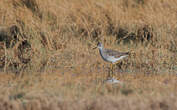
(46, 47)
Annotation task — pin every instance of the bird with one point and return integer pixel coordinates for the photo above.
(111, 56)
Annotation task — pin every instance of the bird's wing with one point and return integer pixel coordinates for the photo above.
(116, 54)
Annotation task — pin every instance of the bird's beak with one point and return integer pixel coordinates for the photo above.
(94, 47)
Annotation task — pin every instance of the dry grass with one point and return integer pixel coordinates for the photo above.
(58, 91)
(47, 61)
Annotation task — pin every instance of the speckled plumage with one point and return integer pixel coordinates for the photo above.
(111, 55)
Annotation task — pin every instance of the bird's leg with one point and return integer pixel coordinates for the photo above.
(111, 74)
(110, 71)
(117, 63)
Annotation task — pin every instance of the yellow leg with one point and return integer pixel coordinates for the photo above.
(117, 62)
(111, 71)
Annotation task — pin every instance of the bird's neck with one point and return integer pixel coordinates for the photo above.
(101, 50)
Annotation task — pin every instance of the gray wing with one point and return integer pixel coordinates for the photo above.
(116, 54)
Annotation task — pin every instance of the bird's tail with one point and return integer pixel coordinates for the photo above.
(131, 52)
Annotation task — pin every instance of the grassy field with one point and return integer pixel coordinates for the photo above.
(54, 91)
(47, 61)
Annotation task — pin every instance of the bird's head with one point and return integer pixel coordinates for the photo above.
(99, 45)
